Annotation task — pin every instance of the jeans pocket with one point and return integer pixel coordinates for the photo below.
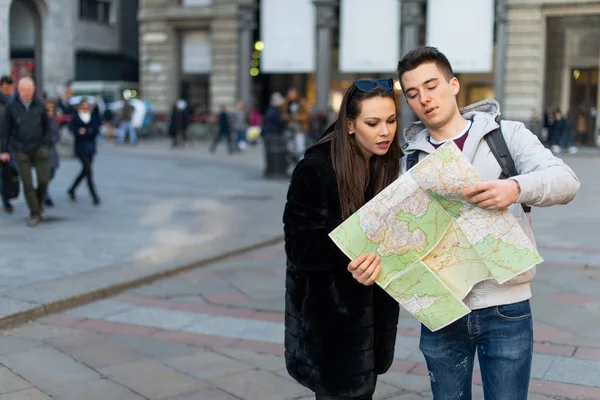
(514, 312)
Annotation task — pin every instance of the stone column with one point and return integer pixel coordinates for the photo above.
(246, 26)
(499, 64)
(4, 37)
(326, 21)
(58, 44)
(412, 18)
(224, 75)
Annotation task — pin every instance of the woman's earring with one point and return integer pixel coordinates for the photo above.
(351, 133)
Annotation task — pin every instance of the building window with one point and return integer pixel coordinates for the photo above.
(95, 10)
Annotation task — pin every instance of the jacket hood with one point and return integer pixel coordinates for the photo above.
(484, 114)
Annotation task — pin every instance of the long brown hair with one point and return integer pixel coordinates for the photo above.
(353, 175)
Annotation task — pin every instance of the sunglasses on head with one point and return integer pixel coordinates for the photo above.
(366, 85)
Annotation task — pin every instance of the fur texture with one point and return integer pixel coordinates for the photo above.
(339, 334)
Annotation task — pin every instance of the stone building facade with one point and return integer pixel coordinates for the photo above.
(67, 40)
(553, 59)
(189, 48)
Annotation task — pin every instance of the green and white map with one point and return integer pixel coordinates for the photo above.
(434, 246)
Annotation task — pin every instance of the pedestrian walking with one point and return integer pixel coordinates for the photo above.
(6, 96)
(340, 329)
(275, 142)
(85, 127)
(26, 129)
(52, 152)
(295, 112)
(499, 328)
(224, 131)
(126, 128)
(239, 122)
(178, 124)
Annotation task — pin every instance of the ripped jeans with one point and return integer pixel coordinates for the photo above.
(503, 339)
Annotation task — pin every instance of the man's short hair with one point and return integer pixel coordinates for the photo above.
(6, 80)
(422, 55)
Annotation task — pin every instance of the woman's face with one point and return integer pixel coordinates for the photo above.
(50, 109)
(84, 107)
(375, 127)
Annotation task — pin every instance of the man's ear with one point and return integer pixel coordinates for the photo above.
(455, 84)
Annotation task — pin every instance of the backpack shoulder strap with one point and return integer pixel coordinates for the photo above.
(498, 147)
(412, 159)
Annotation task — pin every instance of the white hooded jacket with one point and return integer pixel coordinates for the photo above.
(545, 180)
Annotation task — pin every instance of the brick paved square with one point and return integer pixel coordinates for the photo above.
(266, 362)
(10, 382)
(94, 350)
(152, 348)
(209, 393)
(28, 394)
(413, 383)
(99, 310)
(97, 389)
(206, 365)
(155, 317)
(46, 367)
(39, 331)
(12, 344)
(260, 385)
(152, 379)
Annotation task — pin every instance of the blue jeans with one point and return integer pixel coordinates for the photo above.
(503, 339)
(125, 130)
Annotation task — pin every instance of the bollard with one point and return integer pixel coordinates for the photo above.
(276, 164)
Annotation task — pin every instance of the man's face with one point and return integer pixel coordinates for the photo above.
(430, 95)
(292, 95)
(6, 89)
(26, 91)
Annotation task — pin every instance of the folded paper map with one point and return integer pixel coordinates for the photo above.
(434, 246)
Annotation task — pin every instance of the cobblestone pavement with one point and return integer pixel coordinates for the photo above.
(216, 332)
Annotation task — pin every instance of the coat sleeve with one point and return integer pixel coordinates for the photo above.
(6, 130)
(306, 220)
(545, 180)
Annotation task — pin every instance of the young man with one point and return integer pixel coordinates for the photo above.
(500, 327)
(6, 94)
(25, 128)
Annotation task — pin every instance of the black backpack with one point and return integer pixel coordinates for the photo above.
(10, 181)
(499, 149)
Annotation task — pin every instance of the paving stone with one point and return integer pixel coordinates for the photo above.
(178, 286)
(100, 309)
(408, 396)
(574, 371)
(267, 362)
(260, 385)
(46, 367)
(413, 383)
(231, 327)
(10, 382)
(10, 306)
(152, 379)
(94, 350)
(383, 391)
(12, 344)
(41, 331)
(540, 365)
(207, 365)
(209, 393)
(29, 394)
(156, 317)
(407, 348)
(97, 389)
(153, 348)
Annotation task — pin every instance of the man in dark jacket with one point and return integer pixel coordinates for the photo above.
(6, 94)
(25, 129)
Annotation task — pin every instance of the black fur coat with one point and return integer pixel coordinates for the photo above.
(339, 334)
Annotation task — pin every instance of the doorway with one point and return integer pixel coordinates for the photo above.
(26, 41)
(583, 107)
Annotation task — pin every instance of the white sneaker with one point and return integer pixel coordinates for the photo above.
(555, 148)
(573, 150)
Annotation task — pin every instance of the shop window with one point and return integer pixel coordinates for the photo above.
(95, 10)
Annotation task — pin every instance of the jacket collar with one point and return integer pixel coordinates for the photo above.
(484, 115)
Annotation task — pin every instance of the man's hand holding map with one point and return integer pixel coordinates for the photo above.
(433, 245)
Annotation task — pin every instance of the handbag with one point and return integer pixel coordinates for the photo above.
(10, 181)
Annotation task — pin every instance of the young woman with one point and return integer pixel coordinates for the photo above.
(340, 329)
(85, 127)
